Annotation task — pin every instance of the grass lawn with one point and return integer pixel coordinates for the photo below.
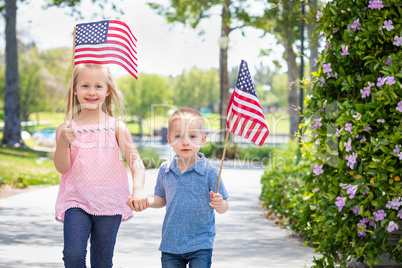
(23, 167)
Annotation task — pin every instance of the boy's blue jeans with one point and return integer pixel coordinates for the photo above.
(197, 259)
(78, 227)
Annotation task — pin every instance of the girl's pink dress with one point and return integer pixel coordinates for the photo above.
(97, 180)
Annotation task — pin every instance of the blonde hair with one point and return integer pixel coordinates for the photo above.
(113, 102)
(189, 114)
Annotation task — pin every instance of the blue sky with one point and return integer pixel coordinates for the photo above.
(165, 49)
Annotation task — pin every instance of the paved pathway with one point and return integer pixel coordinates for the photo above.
(30, 237)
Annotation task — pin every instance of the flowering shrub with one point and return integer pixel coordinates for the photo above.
(283, 189)
(354, 116)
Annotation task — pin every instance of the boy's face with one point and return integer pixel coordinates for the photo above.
(186, 137)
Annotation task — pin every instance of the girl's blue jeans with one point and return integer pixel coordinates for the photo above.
(197, 259)
(79, 226)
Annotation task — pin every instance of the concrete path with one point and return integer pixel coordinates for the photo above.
(30, 237)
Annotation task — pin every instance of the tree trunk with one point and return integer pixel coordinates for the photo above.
(293, 110)
(313, 42)
(12, 120)
(224, 75)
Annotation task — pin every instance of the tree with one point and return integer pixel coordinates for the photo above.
(31, 85)
(146, 97)
(12, 120)
(190, 13)
(12, 126)
(197, 88)
(281, 19)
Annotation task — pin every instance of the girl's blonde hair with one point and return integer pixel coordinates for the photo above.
(113, 105)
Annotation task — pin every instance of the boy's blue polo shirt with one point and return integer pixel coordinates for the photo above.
(189, 223)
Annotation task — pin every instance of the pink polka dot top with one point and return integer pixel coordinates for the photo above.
(97, 180)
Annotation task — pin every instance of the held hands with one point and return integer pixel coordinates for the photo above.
(138, 201)
(216, 200)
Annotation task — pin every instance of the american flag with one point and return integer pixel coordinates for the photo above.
(104, 42)
(244, 113)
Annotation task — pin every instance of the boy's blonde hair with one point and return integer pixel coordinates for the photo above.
(113, 105)
(187, 113)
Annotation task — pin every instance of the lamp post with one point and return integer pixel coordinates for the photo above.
(223, 43)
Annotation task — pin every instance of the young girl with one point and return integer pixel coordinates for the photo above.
(94, 184)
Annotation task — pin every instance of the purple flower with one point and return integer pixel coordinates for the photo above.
(338, 131)
(351, 190)
(326, 46)
(375, 4)
(319, 15)
(317, 123)
(327, 68)
(355, 25)
(388, 62)
(318, 169)
(388, 25)
(361, 233)
(351, 160)
(400, 214)
(397, 149)
(340, 203)
(315, 62)
(392, 226)
(363, 140)
(365, 92)
(339, 255)
(362, 224)
(355, 210)
(394, 204)
(349, 128)
(322, 82)
(397, 41)
(316, 190)
(390, 80)
(348, 145)
(379, 215)
(367, 128)
(380, 81)
(345, 50)
(399, 108)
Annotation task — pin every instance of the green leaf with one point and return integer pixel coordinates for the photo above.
(361, 210)
(360, 108)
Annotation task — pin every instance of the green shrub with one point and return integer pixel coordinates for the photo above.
(234, 151)
(354, 113)
(150, 158)
(283, 189)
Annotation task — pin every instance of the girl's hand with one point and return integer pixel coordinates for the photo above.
(67, 135)
(138, 201)
(216, 200)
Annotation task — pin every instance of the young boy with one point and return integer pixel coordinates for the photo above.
(187, 187)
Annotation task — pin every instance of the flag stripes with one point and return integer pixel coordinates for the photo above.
(245, 116)
(106, 42)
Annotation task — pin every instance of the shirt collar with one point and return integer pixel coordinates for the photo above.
(198, 167)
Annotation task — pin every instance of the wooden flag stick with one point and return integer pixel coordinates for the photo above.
(72, 82)
(224, 152)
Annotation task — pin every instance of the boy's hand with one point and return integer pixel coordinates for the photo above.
(216, 200)
(138, 202)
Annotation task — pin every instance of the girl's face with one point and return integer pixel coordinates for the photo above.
(91, 88)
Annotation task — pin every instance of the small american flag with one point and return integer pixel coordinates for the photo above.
(104, 42)
(244, 113)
